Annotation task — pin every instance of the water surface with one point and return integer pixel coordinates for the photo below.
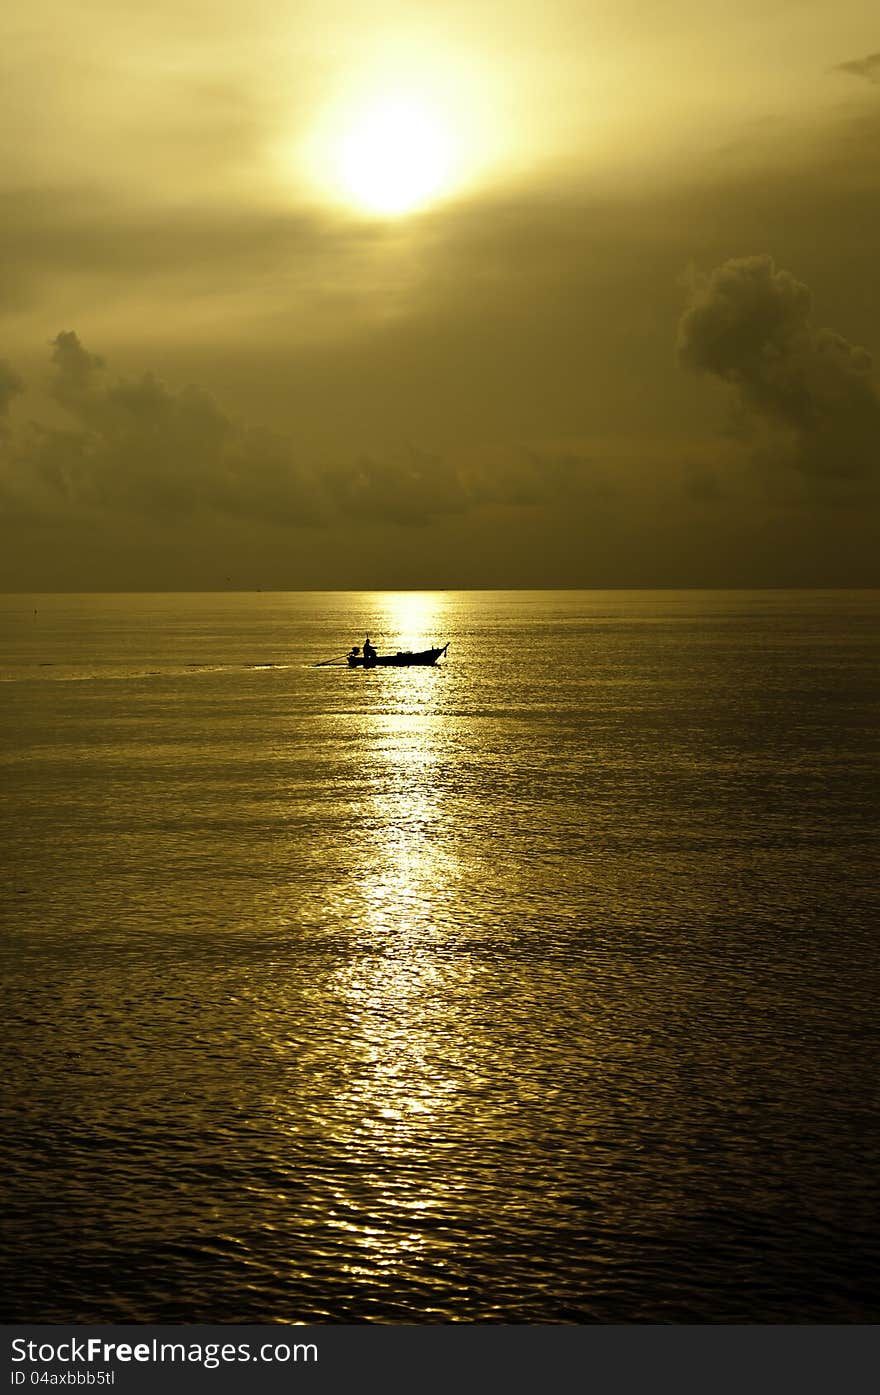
(537, 987)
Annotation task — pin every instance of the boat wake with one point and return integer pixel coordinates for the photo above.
(47, 672)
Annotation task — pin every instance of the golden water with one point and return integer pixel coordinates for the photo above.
(537, 987)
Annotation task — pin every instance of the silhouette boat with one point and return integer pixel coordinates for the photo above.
(425, 656)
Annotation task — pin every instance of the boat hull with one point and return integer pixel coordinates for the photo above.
(425, 657)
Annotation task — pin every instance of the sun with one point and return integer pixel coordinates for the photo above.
(414, 125)
(395, 157)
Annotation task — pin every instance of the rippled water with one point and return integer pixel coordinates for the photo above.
(537, 987)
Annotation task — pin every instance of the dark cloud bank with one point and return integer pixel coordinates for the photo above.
(137, 446)
(135, 462)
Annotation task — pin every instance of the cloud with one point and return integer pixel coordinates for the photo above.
(808, 390)
(414, 487)
(75, 365)
(136, 448)
(10, 386)
(406, 489)
(538, 475)
(701, 483)
(868, 68)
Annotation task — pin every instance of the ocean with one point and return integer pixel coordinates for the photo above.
(536, 987)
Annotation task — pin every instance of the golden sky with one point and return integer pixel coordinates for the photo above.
(439, 294)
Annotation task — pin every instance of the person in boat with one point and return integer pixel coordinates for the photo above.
(369, 652)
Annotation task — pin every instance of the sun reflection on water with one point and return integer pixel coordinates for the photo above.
(410, 619)
(401, 1093)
